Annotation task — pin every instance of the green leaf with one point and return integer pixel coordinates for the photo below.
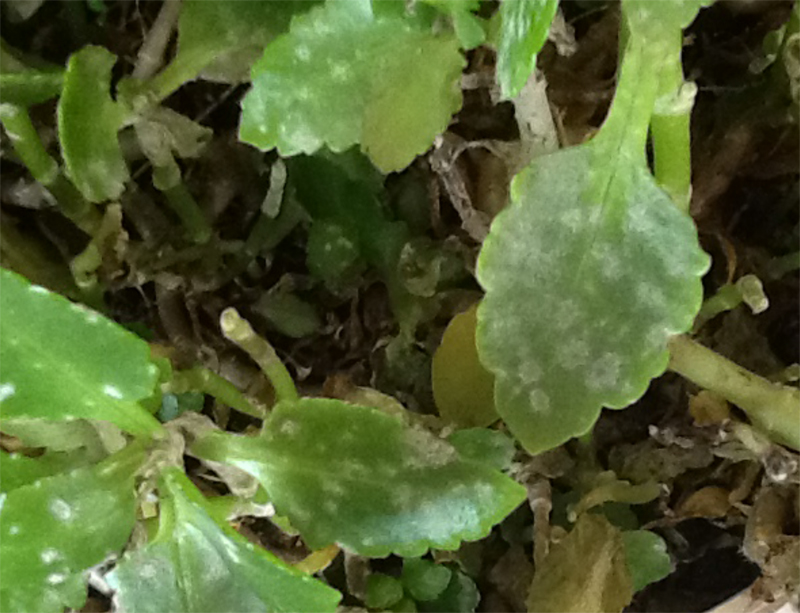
(88, 122)
(469, 27)
(491, 447)
(63, 361)
(462, 387)
(461, 595)
(582, 295)
(593, 553)
(647, 557)
(195, 565)
(223, 39)
(382, 591)
(17, 470)
(30, 87)
(331, 254)
(424, 579)
(54, 529)
(359, 477)
(523, 31)
(344, 75)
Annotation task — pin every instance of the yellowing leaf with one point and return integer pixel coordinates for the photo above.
(462, 388)
(584, 573)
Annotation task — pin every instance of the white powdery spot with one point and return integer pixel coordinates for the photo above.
(50, 555)
(38, 289)
(7, 390)
(333, 489)
(540, 401)
(572, 354)
(566, 315)
(650, 295)
(60, 509)
(2, 500)
(289, 428)
(13, 529)
(112, 391)
(340, 72)
(603, 374)
(331, 507)
(56, 578)
(426, 450)
(147, 571)
(302, 53)
(572, 219)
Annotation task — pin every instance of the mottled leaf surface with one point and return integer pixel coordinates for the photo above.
(585, 572)
(55, 528)
(584, 285)
(345, 75)
(356, 476)
(60, 360)
(195, 565)
(523, 31)
(88, 122)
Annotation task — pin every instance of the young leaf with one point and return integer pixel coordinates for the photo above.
(356, 476)
(647, 557)
(462, 387)
(382, 591)
(461, 595)
(61, 360)
(88, 122)
(468, 27)
(587, 272)
(593, 551)
(424, 579)
(195, 565)
(54, 529)
(345, 75)
(523, 31)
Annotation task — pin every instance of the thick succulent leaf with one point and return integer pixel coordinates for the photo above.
(88, 122)
(491, 447)
(17, 470)
(647, 557)
(523, 31)
(60, 360)
(425, 580)
(195, 565)
(344, 75)
(462, 387)
(461, 595)
(54, 529)
(361, 478)
(223, 39)
(594, 552)
(583, 288)
(29, 87)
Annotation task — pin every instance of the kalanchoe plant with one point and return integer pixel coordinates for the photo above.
(341, 473)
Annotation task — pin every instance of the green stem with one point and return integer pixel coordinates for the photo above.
(208, 382)
(239, 331)
(186, 208)
(670, 126)
(772, 408)
(747, 289)
(44, 169)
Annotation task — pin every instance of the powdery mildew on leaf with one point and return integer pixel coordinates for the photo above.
(356, 476)
(195, 565)
(580, 299)
(343, 76)
(57, 527)
(64, 361)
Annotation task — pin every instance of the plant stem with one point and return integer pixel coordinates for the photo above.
(208, 382)
(772, 408)
(669, 127)
(186, 208)
(239, 331)
(43, 168)
(151, 52)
